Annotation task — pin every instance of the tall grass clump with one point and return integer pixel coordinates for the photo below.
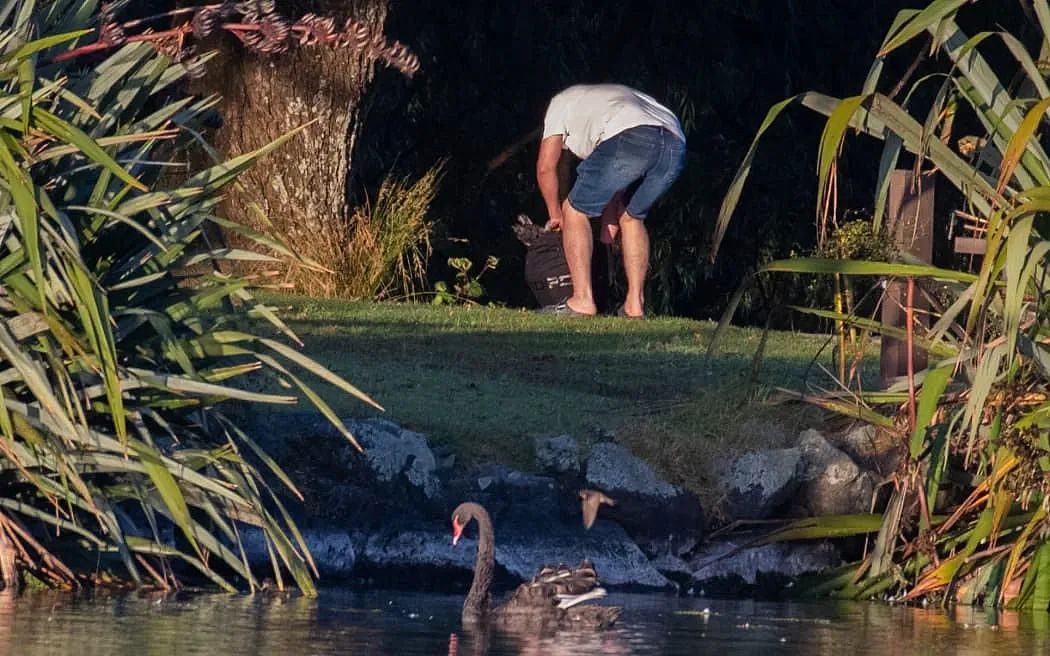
(379, 251)
(116, 359)
(968, 513)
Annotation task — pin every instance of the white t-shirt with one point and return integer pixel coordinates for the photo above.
(588, 114)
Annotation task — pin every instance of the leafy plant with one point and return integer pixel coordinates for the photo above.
(467, 284)
(380, 251)
(256, 24)
(118, 341)
(967, 518)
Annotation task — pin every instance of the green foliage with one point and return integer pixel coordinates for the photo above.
(466, 287)
(120, 337)
(967, 518)
(859, 240)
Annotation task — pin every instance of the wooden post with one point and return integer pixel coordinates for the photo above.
(8, 562)
(910, 221)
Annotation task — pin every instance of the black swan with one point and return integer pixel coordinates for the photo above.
(591, 500)
(554, 597)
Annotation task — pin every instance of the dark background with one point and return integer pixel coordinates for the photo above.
(489, 69)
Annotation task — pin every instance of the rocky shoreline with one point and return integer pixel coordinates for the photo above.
(382, 517)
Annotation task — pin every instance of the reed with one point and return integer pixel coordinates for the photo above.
(967, 516)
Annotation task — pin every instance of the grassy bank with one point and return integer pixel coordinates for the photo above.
(484, 381)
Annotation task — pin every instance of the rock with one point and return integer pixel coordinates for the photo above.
(758, 483)
(333, 552)
(399, 494)
(655, 513)
(392, 451)
(616, 558)
(719, 568)
(445, 458)
(332, 549)
(870, 448)
(831, 483)
(520, 552)
(859, 442)
(612, 467)
(413, 547)
(558, 454)
(673, 567)
(395, 477)
(508, 493)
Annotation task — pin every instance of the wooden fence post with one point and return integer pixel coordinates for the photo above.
(910, 224)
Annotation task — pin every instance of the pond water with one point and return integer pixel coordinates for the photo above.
(348, 623)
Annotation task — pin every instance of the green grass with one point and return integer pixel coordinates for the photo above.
(484, 381)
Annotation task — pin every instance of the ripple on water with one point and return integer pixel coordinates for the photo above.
(344, 622)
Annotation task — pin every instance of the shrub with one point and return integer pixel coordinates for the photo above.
(380, 251)
(115, 359)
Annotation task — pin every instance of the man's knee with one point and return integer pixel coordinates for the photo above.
(627, 220)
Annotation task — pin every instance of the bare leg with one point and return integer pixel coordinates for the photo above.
(579, 246)
(635, 241)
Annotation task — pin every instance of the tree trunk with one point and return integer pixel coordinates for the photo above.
(304, 183)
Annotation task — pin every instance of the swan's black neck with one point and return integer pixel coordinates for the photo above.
(476, 605)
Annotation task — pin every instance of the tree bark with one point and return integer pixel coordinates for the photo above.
(304, 183)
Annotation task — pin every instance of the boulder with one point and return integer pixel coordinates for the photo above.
(395, 476)
(675, 568)
(831, 483)
(657, 514)
(617, 559)
(558, 454)
(871, 448)
(332, 549)
(537, 521)
(398, 496)
(727, 567)
(508, 494)
(393, 452)
(521, 551)
(612, 467)
(412, 547)
(758, 483)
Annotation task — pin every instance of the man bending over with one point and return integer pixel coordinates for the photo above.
(632, 149)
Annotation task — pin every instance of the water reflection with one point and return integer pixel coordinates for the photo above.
(342, 622)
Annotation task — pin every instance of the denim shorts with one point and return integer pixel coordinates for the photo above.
(642, 162)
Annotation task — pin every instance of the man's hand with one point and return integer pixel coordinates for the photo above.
(610, 227)
(547, 178)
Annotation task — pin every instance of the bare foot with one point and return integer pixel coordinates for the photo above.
(632, 310)
(579, 306)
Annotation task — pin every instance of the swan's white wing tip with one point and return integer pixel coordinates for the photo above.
(568, 601)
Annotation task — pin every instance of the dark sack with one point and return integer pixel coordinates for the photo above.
(546, 272)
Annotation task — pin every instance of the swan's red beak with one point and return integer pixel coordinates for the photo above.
(457, 530)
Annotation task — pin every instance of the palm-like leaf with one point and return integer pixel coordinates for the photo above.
(984, 409)
(113, 357)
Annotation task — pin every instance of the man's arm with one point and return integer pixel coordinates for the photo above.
(547, 178)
